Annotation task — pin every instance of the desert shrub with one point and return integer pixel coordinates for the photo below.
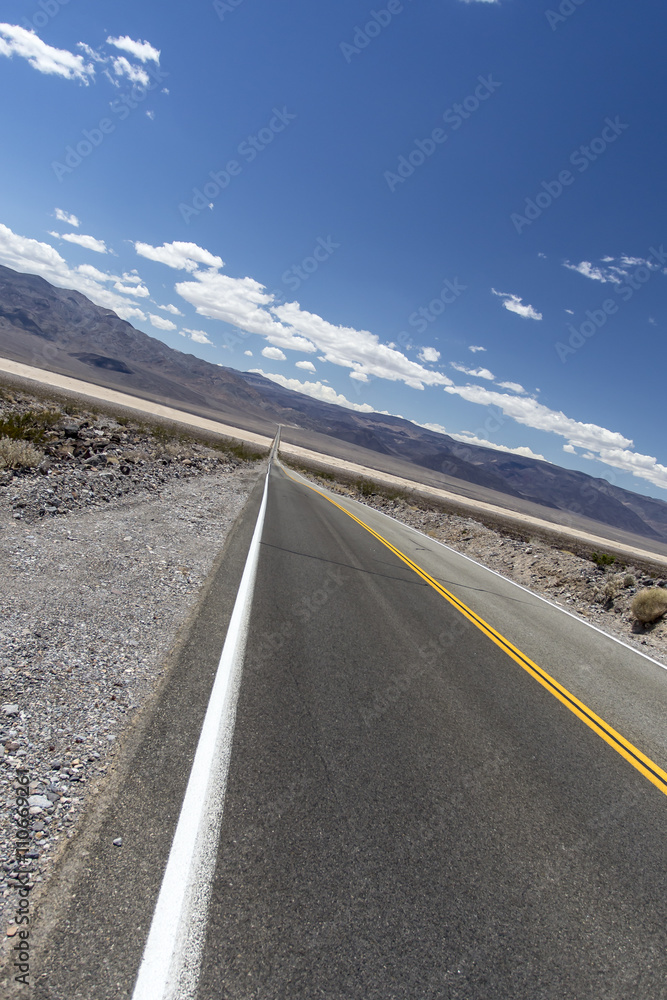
(629, 580)
(603, 558)
(18, 454)
(29, 426)
(649, 605)
(364, 487)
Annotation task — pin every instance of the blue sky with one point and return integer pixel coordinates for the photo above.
(451, 210)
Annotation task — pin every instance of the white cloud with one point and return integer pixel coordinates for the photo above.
(131, 277)
(248, 354)
(135, 74)
(606, 446)
(429, 354)
(476, 372)
(143, 51)
(467, 437)
(359, 376)
(199, 336)
(15, 40)
(523, 450)
(246, 304)
(87, 242)
(570, 449)
(34, 257)
(171, 309)
(307, 366)
(357, 349)
(180, 256)
(515, 304)
(140, 291)
(71, 220)
(274, 354)
(587, 269)
(512, 386)
(160, 323)
(317, 390)
(151, 115)
(476, 348)
(614, 274)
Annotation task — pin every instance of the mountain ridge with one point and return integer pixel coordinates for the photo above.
(61, 329)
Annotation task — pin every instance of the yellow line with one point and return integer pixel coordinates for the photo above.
(640, 761)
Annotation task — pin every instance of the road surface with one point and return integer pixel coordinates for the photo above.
(412, 811)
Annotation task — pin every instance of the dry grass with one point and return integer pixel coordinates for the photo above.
(649, 605)
(16, 454)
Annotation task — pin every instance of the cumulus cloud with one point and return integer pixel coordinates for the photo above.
(180, 256)
(513, 303)
(586, 269)
(62, 216)
(87, 242)
(274, 354)
(307, 366)
(604, 445)
(570, 449)
(143, 51)
(616, 270)
(523, 450)
(359, 376)
(476, 372)
(248, 354)
(429, 355)
(135, 74)
(15, 40)
(512, 386)
(160, 323)
(318, 390)
(171, 309)
(199, 336)
(34, 257)
(476, 348)
(246, 304)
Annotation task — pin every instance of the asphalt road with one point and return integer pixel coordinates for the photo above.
(409, 813)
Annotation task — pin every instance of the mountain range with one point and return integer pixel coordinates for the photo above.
(63, 331)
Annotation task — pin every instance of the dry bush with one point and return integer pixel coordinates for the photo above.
(649, 605)
(18, 454)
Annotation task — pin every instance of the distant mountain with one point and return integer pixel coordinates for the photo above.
(63, 331)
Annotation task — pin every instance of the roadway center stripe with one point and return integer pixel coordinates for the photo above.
(640, 761)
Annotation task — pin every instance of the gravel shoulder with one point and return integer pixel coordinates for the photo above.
(105, 546)
(599, 594)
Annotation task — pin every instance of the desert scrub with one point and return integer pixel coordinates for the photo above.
(649, 605)
(18, 454)
(30, 426)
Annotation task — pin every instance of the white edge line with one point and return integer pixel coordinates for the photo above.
(171, 959)
(507, 579)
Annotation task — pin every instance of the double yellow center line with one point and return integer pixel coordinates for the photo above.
(640, 761)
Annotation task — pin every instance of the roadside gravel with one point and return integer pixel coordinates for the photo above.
(100, 568)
